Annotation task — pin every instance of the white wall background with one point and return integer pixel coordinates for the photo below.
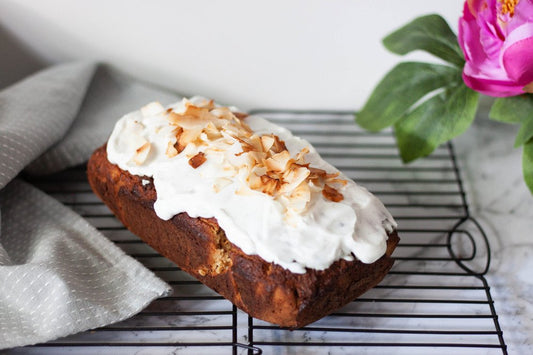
(285, 54)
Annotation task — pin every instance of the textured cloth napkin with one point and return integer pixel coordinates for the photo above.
(58, 274)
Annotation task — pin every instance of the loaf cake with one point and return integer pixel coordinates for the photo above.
(247, 208)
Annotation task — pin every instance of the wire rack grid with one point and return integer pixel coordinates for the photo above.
(435, 299)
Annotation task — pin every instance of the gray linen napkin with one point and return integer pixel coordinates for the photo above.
(58, 274)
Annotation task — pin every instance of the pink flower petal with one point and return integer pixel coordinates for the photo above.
(488, 70)
(462, 33)
(477, 36)
(517, 58)
(470, 42)
(470, 10)
(496, 88)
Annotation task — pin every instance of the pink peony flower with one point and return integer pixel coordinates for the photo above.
(496, 37)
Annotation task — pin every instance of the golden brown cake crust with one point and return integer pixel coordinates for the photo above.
(199, 246)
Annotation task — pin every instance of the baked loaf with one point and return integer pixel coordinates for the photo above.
(199, 246)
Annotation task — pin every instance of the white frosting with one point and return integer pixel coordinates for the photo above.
(322, 233)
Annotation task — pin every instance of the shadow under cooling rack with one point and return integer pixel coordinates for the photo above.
(435, 299)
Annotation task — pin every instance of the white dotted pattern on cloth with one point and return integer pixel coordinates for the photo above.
(36, 113)
(64, 277)
(58, 275)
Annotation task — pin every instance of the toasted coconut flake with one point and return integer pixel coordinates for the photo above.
(188, 121)
(222, 113)
(192, 117)
(197, 160)
(294, 177)
(246, 146)
(256, 157)
(171, 150)
(208, 104)
(279, 161)
(278, 145)
(212, 132)
(315, 172)
(254, 181)
(269, 185)
(190, 136)
(301, 155)
(173, 118)
(273, 174)
(267, 142)
(300, 197)
(244, 127)
(177, 131)
(240, 115)
(235, 127)
(204, 103)
(255, 141)
(179, 146)
(332, 176)
(331, 194)
(338, 181)
(196, 110)
(142, 153)
(180, 142)
(259, 170)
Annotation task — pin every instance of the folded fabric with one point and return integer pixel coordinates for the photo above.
(58, 274)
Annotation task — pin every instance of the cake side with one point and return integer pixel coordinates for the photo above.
(199, 246)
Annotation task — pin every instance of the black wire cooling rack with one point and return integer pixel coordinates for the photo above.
(435, 300)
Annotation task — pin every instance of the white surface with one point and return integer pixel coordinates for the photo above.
(295, 54)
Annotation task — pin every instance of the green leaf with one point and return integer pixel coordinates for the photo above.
(400, 89)
(526, 131)
(429, 33)
(435, 121)
(511, 109)
(515, 109)
(527, 164)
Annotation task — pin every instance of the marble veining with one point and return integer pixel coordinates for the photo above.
(501, 202)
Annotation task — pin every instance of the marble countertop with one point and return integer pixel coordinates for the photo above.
(501, 202)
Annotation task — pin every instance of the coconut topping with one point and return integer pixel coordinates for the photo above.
(270, 191)
(268, 167)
